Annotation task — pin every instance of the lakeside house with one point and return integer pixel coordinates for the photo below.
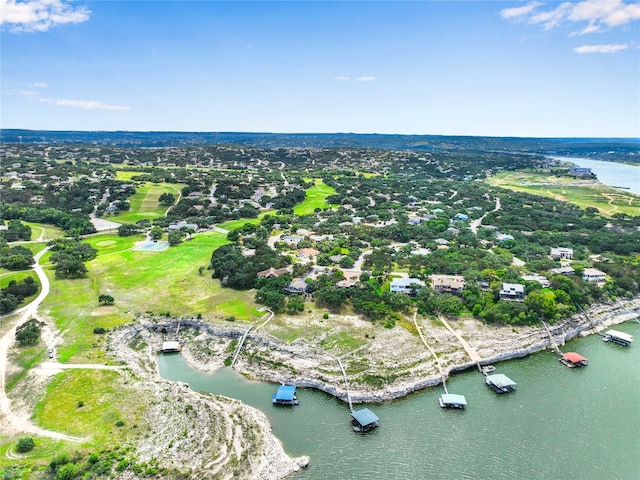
(406, 285)
(563, 271)
(593, 275)
(513, 292)
(454, 284)
(561, 253)
(580, 172)
(297, 286)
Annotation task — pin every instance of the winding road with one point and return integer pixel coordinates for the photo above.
(10, 420)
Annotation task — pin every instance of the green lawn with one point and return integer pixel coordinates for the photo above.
(316, 198)
(144, 203)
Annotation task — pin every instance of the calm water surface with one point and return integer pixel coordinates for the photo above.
(561, 423)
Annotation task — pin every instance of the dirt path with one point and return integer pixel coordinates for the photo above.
(12, 422)
(419, 328)
(475, 224)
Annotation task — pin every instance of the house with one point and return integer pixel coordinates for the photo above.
(512, 291)
(593, 275)
(308, 253)
(297, 286)
(542, 280)
(461, 217)
(182, 225)
(561, 253)
(448, 283)
(580, 172)
(291, 239)
(563, 271)
(406, 285)
(273, 272)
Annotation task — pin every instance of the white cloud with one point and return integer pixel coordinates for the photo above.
(607, 48)
(519, 11)
(39, 15)
(598, 13)
(591, 28)
(38, 85)
(85, 104)
(342, 78)
(366, 78)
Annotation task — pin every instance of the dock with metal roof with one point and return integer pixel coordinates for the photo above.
(452, 400)
(364, 420)
(573, 359)
(618, 337)
(286, 395)
(500, 383)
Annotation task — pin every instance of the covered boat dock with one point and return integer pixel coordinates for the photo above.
(364, 420)
(500, 383)
(170, 347)
(286, 395)
(451, 400)
(618, 337)
(573, 359)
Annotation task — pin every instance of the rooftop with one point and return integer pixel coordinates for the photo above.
(574, 357)
(365, 417)
(501, 380)
(286, 392)
(452, 398)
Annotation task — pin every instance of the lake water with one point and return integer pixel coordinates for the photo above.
(610, 173)
(561, 423)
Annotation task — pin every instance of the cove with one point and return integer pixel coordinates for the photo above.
(561, 422)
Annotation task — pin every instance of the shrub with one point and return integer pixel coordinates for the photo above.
(325, 315)
(99, 330)
(25, 444)
(120, 423)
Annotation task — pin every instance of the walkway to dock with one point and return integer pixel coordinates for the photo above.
(419, 329)
(244, 337)
(473, 354)
(240, 343)
(552, 342)
(346, 384)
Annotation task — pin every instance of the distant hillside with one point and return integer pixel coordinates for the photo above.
(612, 149)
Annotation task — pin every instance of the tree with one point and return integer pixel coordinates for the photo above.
(105, 299)
(295, 304)
(175, 237)
(25, 444)
(29, 332)
(156, 233)
(68, 266)
(167, 199)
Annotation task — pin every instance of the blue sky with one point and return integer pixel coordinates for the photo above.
(506, 68)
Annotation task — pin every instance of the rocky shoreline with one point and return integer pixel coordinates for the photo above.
(207, 346)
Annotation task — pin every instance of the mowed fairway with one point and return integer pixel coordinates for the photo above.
(584, 193)
(316, 198)
(144, 203)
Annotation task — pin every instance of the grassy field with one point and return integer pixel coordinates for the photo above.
(316, 198)
(44, 232)
(174, 281)
(584, 193)
(89, 403)
(144, 203)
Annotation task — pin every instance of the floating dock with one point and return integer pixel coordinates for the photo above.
(286, 395)
(451, 400)
(170, 347)
(573, 359)
(620, 338)
(363, 420)
(500, 383)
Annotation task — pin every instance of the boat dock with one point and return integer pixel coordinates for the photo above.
(364, 420)
(286, 395)
(620, 338)
(500, 383)
(451, 400)
(170, 347)
(573, 359)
